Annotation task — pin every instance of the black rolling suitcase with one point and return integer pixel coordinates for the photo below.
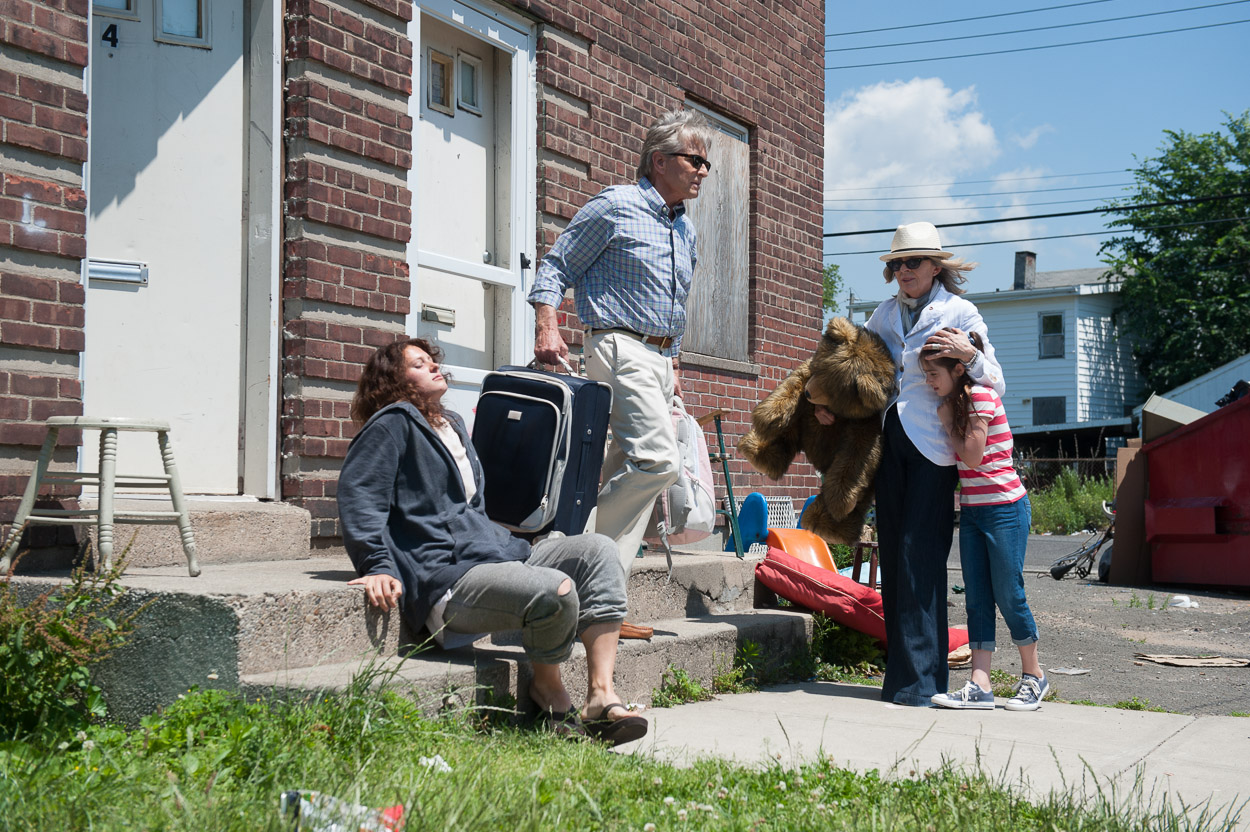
(540, 438)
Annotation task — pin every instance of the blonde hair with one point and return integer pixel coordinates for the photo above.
(951, 276)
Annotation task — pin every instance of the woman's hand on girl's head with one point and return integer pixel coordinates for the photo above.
(950, 342)
(382, 591)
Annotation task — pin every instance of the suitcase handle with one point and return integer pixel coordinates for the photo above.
(568, 368)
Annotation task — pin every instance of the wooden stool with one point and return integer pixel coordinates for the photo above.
(860, 548)
(107, 479)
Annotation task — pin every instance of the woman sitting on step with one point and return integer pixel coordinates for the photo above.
(410, 502)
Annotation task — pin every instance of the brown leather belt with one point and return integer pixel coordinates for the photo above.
(661, 341)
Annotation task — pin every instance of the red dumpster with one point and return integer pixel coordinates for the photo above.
(1198, 500)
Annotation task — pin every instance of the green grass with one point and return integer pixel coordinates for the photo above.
(215, 762)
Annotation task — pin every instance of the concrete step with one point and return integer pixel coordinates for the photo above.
(226, 531)
(239, 620)
(491, 674)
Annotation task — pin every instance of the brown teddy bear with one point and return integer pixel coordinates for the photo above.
(853, 377)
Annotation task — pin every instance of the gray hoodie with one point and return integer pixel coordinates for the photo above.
(403, 509)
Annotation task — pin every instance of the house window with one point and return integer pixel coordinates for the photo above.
(469, 86)
(182, 22)
(717, 310)
(1050, 410)
(124, 9)
(1050, 335)
(442, 82)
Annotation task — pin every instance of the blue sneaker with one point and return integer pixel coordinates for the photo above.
(970, 697)
(1029, 693)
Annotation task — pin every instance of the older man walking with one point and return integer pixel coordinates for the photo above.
(629, 254)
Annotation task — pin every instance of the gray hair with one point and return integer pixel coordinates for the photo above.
(950, 276)
(669, 135)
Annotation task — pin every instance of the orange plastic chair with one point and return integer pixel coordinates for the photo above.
(804, 545)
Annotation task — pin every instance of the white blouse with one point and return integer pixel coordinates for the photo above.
(917, 403)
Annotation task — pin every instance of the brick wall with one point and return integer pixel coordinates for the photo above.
(43, 149)
(347, 218)
(606, 70)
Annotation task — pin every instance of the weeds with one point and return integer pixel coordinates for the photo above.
(1071, 504)
(1136, 704)
(47, 646)
(1003, 683)
(678, 687)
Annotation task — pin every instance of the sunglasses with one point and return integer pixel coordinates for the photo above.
(695, 159)
(910, 262)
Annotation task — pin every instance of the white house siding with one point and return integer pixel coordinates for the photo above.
(1205, 390)
(1013, 326)
(1107, 375)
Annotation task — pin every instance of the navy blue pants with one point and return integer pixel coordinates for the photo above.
(915, 527)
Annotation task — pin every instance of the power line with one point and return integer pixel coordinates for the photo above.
(1036, 28)
(990, 193)
(977, 181)
(1059, 236)
(964, 208)
(1046, 46)
(1108, 210)
(965, 19)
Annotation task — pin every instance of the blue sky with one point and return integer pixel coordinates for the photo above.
(1066, 114)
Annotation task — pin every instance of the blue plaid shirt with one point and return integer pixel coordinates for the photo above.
(629, 262)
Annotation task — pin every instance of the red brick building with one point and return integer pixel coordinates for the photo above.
(371, 144)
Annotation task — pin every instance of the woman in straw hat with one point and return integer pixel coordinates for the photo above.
(916, 479)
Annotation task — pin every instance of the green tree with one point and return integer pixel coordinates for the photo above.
(831, 280)
(1185, 268)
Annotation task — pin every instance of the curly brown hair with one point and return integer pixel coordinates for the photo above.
(960, 398)
(382, 382)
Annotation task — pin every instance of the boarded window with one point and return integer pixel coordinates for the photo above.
(716, 313)
(1050, 335)
(1050, 410)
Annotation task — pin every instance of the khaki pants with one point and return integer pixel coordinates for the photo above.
(642, 459)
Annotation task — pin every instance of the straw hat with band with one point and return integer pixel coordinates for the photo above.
(917, 239)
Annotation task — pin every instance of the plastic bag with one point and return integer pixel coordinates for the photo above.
(685, 512)
(308, 811)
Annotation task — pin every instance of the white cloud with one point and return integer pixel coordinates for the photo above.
(1027, 140)
(905, 133)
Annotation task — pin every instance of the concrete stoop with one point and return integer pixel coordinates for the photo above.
(226, 531)
(295, 623)
(493, 674)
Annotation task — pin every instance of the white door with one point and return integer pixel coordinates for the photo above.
(473, 187)
(164, 306)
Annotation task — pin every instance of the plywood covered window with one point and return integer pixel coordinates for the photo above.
(1050, 410)
(716, 312)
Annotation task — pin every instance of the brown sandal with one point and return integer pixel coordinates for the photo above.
(616, 731)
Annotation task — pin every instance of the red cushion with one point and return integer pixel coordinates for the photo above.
(837, 596)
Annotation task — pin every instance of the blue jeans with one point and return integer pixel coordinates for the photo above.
(915, 526)
(992, 540)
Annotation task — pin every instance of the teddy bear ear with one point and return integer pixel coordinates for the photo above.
(840, 330)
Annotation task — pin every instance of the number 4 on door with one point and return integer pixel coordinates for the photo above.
(109, 35)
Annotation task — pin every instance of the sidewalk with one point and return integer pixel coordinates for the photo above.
(1192, 759)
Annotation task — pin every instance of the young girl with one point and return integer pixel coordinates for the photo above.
(993, 532)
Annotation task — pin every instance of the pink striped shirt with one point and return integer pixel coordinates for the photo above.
(994, 481)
